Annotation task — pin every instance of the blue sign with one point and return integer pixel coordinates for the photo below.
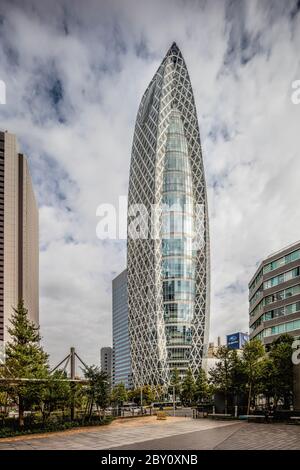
(237, 340)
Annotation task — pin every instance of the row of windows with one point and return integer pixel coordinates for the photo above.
(177, 267)
(277, 296)
(255, 281)
(174, 181)
(179, 354)
(257, 294)
(279, 329)
(177, 246)
(257, 309)
(178, 312)
(176, 142)
(178, 290)
(275, 313)
(178, 202)
(284, 277)
(180, 334)
(282, 295)
(279, 312)
(178, 223)
(176, 161)
(295, 255)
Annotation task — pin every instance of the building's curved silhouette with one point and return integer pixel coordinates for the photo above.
(168, 264)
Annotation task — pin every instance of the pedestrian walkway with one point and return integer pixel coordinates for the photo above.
(119, 433)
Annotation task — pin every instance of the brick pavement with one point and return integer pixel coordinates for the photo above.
(114, 435)
(174, 433)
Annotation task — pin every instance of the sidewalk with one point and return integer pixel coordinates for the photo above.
(121, 432)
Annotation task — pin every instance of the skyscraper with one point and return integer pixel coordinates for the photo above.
(19, 244)
(168, 251)
(106, 360)
(121, 347)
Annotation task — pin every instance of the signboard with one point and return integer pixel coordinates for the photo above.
(237, 340)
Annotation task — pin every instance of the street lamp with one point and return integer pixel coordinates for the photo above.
(174, 400)
(142, 399)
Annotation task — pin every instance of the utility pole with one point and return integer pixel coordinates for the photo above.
(72, 356)
(174, 401)
(72, 360)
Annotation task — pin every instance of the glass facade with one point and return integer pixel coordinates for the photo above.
(284, 277)
(282, 294)
(294, 256)
(257, 294)
(178, 261)
(276, 297)
(121, 347)
(168, 275)
(287, 327)
(276, 313)
(256, 280)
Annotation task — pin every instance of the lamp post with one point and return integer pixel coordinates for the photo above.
(142, 399)
(174, 401)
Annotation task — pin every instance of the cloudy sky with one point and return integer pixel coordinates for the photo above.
(75, 72)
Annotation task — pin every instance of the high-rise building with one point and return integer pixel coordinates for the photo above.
(121, 348)
(274, 296)
(19, 243)
(106, 360)
(168, 242)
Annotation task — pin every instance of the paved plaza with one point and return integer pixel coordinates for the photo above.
(174, 433)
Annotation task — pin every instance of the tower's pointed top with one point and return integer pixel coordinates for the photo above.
(173, 49)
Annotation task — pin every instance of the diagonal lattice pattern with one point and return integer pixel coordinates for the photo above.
(169, 92)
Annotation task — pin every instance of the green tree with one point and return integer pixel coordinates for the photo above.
(148, 395)
(25, 359)
(237, 376)
(159, 393)
(221, 374)
(56, 395)
(119, 394)
(202, 388)
(188, 389)
(282, 378)
(98, 389)
(175, 381)
(253, 352)
(267, 376)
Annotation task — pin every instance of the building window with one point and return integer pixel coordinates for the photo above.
(294, 256)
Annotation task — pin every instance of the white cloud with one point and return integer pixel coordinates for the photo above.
(75, 75)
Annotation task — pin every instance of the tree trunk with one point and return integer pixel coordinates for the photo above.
(249, 398)
(72, 413)
(226, 402)
(91, 409)
(21, 412)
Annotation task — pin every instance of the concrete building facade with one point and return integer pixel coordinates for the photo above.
(106, 360)
(274, 296)
(19, 239)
